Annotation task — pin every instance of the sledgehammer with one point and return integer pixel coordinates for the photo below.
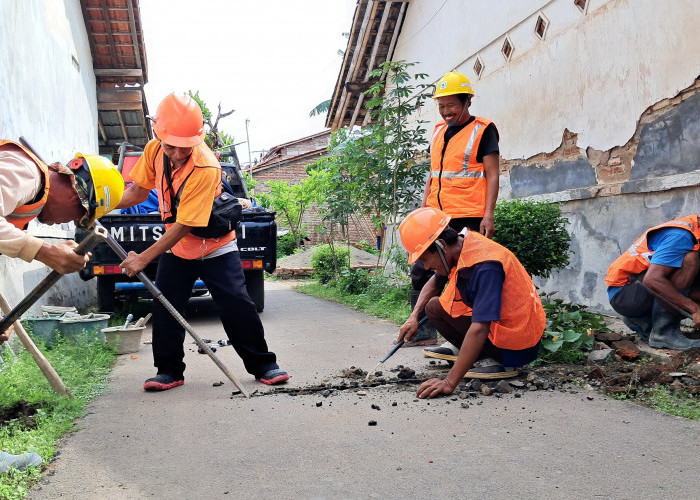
(158, 295)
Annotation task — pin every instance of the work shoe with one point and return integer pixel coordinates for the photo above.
(162, 382)
(19, 462)
(666, 332)
(446, 351)
(490, 369)
(273, 377)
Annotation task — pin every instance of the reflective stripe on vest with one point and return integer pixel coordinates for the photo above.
(457, 180)
(522, 316)
(637, 258)
(21, 216)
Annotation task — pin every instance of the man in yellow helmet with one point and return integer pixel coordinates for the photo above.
(87, 188)
(463, 180)
(489, 308)
(187, 177)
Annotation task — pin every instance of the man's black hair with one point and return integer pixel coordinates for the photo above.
(448, 235)
(463, 98)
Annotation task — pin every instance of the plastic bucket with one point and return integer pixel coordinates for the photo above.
(75, 327)
(123, 340)
(44, 327)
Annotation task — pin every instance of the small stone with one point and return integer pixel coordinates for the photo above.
(465, 405)
(589, 398)
(320, 403)
(517, 395)
(476, 384)
(627, 349)
(326, 393)
(531, 377)
(361, 393)
(394, 403)
(486, 390)
(217, 384)
(372, 423)
(463, 395)
(376, 407)
(504, 387)
(678, 374)
(608, 337)
(600, 356)
(516, 383)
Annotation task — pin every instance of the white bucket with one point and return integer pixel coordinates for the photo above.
(124, 340)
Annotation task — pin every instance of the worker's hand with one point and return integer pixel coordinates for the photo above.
(61, 257)
(5, 336)
(408, 329)
(245, 203)
(434, 387)
(696, 319)
(133, 264)
(487, 227)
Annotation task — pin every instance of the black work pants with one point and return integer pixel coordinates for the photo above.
(419, 276)
(223, 276)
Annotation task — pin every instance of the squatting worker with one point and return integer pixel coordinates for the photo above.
(463, 180)
(86, 189)
(665, 260)
(489, 309)
(187, 177)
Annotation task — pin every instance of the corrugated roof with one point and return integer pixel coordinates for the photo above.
(375, 28)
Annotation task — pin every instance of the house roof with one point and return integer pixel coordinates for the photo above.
(275, 156)
(375, 28)
(121, 69)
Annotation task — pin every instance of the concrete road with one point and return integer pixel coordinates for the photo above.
(199, 441)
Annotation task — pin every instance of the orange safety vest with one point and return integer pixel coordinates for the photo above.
(22, 215)
(637, 258)
(457, 180)
(522, 316)
(191, 246)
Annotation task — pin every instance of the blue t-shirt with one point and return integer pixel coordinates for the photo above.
(481, 287)
(669, 244)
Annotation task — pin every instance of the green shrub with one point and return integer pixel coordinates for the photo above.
(535, 232)
(328, 262)
(287, 244)
(353, 281)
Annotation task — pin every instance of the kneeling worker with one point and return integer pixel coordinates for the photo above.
(664, 260)
(490, 308)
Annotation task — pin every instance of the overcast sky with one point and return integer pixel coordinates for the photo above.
(270, 60)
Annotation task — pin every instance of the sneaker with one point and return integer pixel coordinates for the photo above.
(19, 462)
(273, 377)
(490, 369)
(446, 351)
(162, 382)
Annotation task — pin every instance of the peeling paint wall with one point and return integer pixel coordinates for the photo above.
(601, 113)
(48, 96)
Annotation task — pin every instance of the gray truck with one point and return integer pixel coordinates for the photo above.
(256, 239)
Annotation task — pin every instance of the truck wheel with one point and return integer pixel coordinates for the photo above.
(255, 284)
(105, 293)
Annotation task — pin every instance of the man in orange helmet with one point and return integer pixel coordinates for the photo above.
(489, 309)
(87, 188)
(463, 180)
(187, 177)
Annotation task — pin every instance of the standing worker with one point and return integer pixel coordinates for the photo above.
(178, 161)
(88, 188)
(664, 260)
(463, 180)
(490, 308)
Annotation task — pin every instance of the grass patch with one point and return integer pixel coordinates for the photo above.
(678, 404)
(82, 367)
(379, 298)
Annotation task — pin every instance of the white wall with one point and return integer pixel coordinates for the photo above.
(48, 96)
(595, 72)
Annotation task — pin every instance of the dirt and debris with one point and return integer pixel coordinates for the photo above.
(22, 413)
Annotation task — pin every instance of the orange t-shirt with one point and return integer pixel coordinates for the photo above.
(202, 177)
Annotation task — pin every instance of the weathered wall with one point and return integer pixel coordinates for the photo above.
(47, 95)
(602, 114)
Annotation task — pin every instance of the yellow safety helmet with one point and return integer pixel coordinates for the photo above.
(99, 184)
(453, 83)
(420, 228)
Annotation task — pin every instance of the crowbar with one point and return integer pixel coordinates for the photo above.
(157, 294)
(665, 301)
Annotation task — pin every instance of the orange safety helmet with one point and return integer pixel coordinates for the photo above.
(420, 228)
(179, 121)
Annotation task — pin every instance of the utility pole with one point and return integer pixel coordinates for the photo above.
(250, 161)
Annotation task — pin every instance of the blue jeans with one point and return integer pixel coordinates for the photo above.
(223, 276)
